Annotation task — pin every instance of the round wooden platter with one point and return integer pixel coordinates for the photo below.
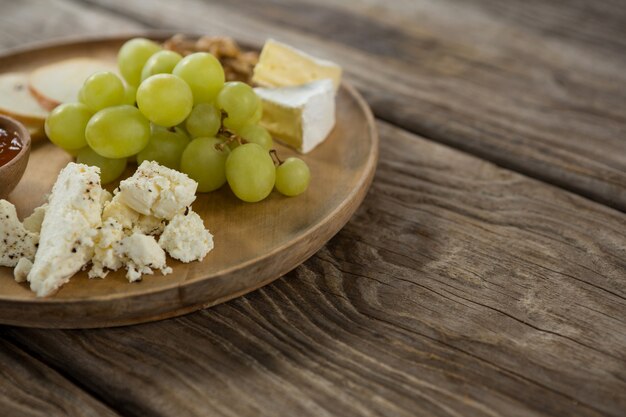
(254, 243)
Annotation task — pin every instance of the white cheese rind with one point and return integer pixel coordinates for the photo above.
(301, 116)
(157, 191)
(283, 65)
(67, 232)
(186, 239)
(15, 241)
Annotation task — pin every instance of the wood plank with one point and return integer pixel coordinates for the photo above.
(458, 73)
(459, 288)
(30, 388)
(30, 21)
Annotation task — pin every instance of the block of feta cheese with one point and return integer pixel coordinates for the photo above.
(142, 254)
(22, 269)
(157, 190)
(300, 116)
(15, 240)
(33, 222)
(185, 238)
(283, 65)
(69, 226)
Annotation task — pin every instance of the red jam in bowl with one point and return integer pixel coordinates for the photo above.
(10, 145)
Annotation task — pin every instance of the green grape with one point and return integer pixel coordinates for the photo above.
(240, 103)
(130, 95)
(204, 120)
(257, 134)
(102, 89)
(250, 172)
(163, 62)
(204, 74)
(65, 125)
(165, 147)
(81, 98)
(177, 129)
(110, 169)
(204, 163)
(118, 132)
(165, 99)
(183, 132)
(258, 114)
(133, 56)
(292, 177)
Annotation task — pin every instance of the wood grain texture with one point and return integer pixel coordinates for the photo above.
(26, 21)
(458, 289)
(540, 98)
(30, 388)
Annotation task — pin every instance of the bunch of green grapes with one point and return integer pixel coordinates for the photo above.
(179, 112)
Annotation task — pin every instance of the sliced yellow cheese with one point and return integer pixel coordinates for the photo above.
(281, 65)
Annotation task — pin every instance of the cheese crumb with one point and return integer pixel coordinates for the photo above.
(157, 190)
(186, 239)
(23, 267)
(15, 241)
(142, 254)
(105, 256)
(33, 222)
(124, 215)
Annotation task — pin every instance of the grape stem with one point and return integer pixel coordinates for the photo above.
(275, 157)
(228, 137)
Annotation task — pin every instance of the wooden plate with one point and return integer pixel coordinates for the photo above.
(254, 243)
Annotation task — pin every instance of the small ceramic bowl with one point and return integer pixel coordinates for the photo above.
(11, 172)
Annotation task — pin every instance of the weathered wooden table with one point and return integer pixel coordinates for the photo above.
(485, 273)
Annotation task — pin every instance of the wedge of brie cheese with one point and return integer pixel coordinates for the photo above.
(66, 240)
(282, 65)
(300, 116)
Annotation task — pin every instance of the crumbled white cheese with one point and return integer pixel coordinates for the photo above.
(15, 241)
(23, 267)
(105, 197)
(69, 226)
(142, 254)
(149, 225)
(158, 191)
(33, 222)
(186, 239)
(105, 256)
(125, 216)
(83, 222)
